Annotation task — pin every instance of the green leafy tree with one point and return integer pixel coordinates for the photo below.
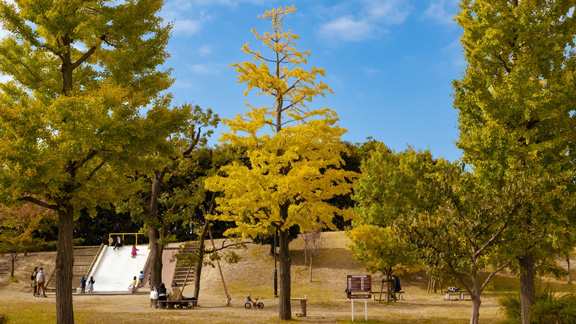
(161, 200)
(70, 121)
(294, 150)
(186, 190)
(385, 251)
(516, 114)
(458, 225)
(94, 230)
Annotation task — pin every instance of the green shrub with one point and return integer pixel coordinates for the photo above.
(511, 308)
(546, 310)
(561, 310)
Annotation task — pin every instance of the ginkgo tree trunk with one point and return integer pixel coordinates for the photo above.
(70, 121)
(294, 150)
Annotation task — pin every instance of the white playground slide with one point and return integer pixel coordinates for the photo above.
(115, 269)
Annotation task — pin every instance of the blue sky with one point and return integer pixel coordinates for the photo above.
(390, 63)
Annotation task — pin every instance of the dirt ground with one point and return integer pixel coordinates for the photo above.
(326, 299)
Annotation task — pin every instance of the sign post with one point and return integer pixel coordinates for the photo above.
(359, 287)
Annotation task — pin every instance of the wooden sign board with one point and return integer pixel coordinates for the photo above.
(359, 286)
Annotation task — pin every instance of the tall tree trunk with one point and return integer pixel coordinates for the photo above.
(311, 257)
(306, 252)
(388, 290)
(527, 288)
(285, 263)
(155, 256)
(13, 256)
(200, 261)
(64, 265)
(154, 227)
(475, 307)
(476, 302)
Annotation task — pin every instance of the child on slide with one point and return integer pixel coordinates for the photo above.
(134, 251)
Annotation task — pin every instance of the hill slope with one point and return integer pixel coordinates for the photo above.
(254, 275)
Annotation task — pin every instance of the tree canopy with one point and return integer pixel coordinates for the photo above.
(294, 150)
(72, 117)
(516, 115)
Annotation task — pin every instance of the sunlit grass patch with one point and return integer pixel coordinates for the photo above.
(93, 317)
(502, 284)
(25, 313)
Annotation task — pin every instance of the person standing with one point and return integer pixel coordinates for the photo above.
(91, 283)
(83, 285)
(40, 280)
(396, 284)
(153, 297)
(141, 279)
(111, 242)
(33, 279)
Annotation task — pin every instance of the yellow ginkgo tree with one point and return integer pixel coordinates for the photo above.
(295, 151)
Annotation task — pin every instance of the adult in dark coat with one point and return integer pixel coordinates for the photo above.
(162, 294)
(396, 283)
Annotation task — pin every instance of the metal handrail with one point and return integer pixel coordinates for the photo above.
(94, 260)
(111, 234)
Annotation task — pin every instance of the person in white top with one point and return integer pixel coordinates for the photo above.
(40, 280)
(153, 297)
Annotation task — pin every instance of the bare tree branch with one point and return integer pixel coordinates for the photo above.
(39, 202)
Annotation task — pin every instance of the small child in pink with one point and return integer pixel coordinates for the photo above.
(134, 251)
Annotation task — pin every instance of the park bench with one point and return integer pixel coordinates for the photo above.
(377, 293)
(182, 303)
(302, 306)
(460, 294)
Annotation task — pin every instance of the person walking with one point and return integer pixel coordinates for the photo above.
(40, 280)
(33, 279)
(91, 283)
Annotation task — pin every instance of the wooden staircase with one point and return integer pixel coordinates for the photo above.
(185, 274)
(84, 259)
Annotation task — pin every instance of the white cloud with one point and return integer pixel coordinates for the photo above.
(360, 20)
(204, 50)
(369, 70)
(186, 27)
(187, 4)
(206, 69)
(441, 11)
(392, 11)
(454, 56)
(185, 22)
(347, 29)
